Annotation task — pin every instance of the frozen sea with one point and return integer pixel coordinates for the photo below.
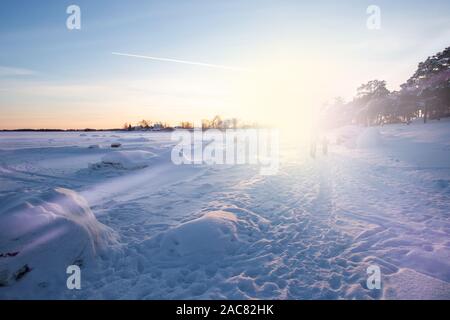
(140, 227)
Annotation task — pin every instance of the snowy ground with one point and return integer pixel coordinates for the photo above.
(142, 228)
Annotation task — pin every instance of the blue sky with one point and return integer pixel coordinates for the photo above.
(52, 77)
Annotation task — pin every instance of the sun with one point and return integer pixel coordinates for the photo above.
(283, 93)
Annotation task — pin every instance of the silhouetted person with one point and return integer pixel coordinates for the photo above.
(313, 146)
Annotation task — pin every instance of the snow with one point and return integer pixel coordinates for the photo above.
(214, 233)
(130, 159)
(138, 139)
(45, 234)
(369, 138)
(141, 227)
(358, 137)
(404, 285)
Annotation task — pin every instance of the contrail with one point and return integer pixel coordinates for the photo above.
(209, 65)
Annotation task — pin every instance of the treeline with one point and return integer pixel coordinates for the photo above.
(425, 95)
(215, 123)
(148, 125)
(222, 124)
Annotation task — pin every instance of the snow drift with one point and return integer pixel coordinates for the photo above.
(41, 237)
(137, 139)
(213, 233)
(130, 159)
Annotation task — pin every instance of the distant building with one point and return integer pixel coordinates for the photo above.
(157, 127)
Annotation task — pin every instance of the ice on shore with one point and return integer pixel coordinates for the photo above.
(41, 237)
(129, 159)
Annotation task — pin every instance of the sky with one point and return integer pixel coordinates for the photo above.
(258, 60)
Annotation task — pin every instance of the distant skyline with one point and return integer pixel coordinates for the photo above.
(275, 59)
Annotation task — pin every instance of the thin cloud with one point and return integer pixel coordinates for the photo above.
(13, 72)
(209, 65)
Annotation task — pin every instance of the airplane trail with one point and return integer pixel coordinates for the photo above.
(209, 65)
